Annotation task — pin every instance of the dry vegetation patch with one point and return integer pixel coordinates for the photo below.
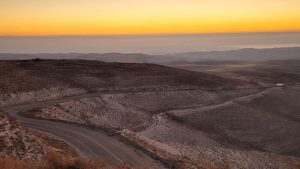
(17, 141)
(56, 161)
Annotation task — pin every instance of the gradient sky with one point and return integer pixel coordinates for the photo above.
(89, 17)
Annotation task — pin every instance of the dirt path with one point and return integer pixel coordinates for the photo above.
(188, 111)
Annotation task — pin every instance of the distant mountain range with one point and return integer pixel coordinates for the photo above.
(242, 54)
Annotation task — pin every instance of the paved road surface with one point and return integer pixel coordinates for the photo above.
(88, 143)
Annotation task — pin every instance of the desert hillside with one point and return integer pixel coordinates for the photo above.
(226, 118)
(40, 79)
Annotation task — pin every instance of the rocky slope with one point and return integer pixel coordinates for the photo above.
(17, 141)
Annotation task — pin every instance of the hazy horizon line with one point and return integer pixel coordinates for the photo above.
(148, 35)
(150, 54)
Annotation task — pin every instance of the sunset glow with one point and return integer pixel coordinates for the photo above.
(90, 17)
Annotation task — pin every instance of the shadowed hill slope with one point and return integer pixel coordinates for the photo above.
(27, 75)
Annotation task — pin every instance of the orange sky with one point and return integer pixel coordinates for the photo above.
(89, 17)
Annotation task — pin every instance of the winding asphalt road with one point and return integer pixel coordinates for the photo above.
(88, 143)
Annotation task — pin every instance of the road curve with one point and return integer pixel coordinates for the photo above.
(88, 143)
